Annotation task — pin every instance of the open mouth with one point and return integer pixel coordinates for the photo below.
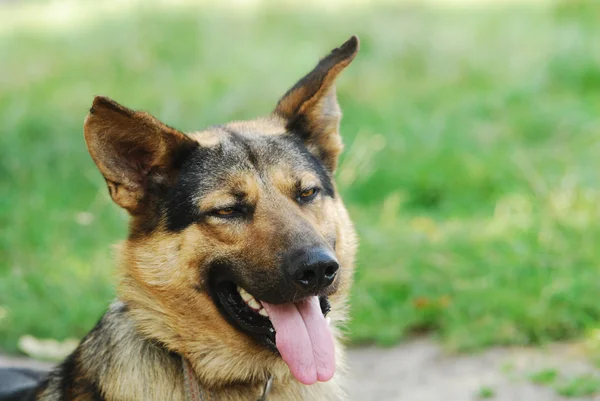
(244, 311)
(298, 331)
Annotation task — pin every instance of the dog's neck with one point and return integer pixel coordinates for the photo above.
(120, 364)
(141, 366)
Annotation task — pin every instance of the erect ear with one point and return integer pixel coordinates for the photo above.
(311, 110)
(137, 154)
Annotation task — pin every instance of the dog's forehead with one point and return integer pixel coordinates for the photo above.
(257, 145)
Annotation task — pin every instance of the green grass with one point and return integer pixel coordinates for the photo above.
(485, 393)
(580, 386)
(584, 385)
(471, 168)
(544, 376)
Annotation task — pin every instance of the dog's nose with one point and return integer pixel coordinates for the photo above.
(314, 268)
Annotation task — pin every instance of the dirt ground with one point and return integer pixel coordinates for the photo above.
(420, 371)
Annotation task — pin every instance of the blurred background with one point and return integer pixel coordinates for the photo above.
(471, 171)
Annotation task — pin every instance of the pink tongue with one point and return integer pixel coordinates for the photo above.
(303, 339)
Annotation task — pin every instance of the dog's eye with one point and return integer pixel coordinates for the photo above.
(308, 194)
(227, 211)
(230, 212)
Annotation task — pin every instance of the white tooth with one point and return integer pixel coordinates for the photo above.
(328, 320)
(263, 312)
(244, 294)
(253, 303)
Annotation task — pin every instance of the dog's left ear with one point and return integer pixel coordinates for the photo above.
(310, 109)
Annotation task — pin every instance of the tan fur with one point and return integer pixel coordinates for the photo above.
(263, 126)
(206, 138)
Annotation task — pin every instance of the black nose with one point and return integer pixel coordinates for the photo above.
(313, 268)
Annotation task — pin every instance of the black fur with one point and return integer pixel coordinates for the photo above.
(73, 380)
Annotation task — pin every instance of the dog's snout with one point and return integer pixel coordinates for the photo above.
(313, 268)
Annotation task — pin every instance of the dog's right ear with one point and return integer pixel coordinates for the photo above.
(135, 152)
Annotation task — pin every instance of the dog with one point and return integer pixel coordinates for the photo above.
(234, 277)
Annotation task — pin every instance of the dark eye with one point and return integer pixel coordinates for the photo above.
(308, 194)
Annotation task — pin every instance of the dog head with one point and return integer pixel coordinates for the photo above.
(239, 243)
